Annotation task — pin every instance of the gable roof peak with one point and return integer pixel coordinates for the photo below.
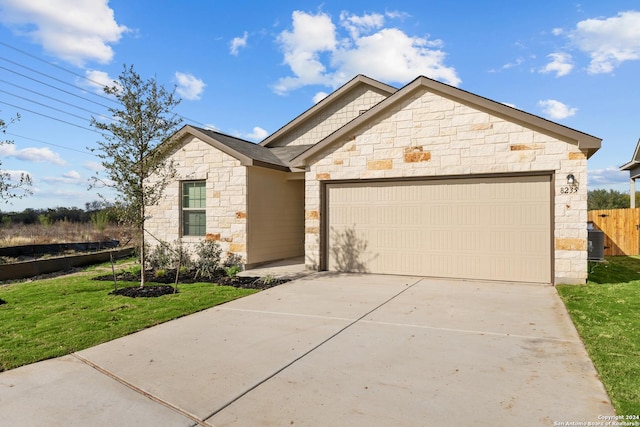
(357, 81)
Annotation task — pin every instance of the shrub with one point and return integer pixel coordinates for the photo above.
(208, 252)
(232, 271)
(181, 255)
(160, 273)
(160, 257)
(233, 259)
(100, 220)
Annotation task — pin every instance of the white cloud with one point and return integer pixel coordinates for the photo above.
(609, 41)
(311, 35)
(258, 134)
(31, 154)
(607, 176)
(319, 97)
(357, 24)
(557, 31)
(97, 80)
(76, 31)
(70, 177)
(391, 55)
(237, 43)
(318, 53)
(211, 126)
(189, 87)
(93, 166)
(556, 109)
(560, 64)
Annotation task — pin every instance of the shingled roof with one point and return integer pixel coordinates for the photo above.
(249, 153)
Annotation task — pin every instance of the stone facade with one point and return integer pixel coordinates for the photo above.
(333, 117)
(429, 135)
(226, 201)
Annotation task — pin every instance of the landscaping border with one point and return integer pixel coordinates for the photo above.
(24, 269)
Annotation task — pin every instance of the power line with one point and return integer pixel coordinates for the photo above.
(54, 78)
(51, 97)
(52, 86)
(50, 63)
(45, 105)
(75, 74)
(51, 143)
(50, 117)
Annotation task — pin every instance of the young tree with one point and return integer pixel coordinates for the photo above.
(10, 189)
(133, 153)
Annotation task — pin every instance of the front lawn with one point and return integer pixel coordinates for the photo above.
(53, 317)
(606, 313)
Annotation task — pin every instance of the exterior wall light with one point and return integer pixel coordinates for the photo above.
(571, 179)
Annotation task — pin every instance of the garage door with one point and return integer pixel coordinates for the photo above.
(480, 228)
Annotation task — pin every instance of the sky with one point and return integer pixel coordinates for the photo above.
(247, 68)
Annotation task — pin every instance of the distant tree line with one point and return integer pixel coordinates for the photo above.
(52, 215)
(609, 199)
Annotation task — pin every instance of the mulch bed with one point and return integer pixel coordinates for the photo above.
(158, 286)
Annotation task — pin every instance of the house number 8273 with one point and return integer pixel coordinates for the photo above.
(568, 189)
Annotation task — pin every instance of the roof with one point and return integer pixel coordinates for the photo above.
(635, 160)
(326, 102)
(249, 153)
(584, 141)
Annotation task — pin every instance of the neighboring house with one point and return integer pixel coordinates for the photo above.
(426, 180)
(633, 167)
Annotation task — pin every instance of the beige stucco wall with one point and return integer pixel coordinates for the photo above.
(226, 197)
(428, 135)
(333, 117)
(275, 215)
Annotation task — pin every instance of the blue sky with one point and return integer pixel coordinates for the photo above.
(246, 68)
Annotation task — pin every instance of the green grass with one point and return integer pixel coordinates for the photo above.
(53, 317)
(606, 313)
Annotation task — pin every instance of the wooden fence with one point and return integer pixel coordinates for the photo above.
(621, 229)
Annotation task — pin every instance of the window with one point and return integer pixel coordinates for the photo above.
(194, 221)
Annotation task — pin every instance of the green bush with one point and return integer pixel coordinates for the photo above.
(232, 271)
(208, 253)
(180, 255)
(160, 257)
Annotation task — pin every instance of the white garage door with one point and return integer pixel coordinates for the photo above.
(480, 228)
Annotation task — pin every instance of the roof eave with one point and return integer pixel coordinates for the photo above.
(587, 143)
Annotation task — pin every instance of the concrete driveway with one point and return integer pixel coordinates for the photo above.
(331, 350)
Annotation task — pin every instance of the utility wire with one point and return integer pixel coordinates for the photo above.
(55, 78)
(75, 74)
(52, 98)
(50, 143)
(50, 63)
(50, 117)
(52, 86)
(46, 106)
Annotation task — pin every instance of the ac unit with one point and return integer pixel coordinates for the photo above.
(596, 245)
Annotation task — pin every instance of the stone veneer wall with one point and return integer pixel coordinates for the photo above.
(333, 117)
(428, 135)
(226, 200)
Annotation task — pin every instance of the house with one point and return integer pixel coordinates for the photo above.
(633, 166)
(425, 180)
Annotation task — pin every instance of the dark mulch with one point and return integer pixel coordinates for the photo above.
(146, 292)
(163, 285)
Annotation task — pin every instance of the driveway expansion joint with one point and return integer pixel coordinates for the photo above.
(308, 352)
(138, 390)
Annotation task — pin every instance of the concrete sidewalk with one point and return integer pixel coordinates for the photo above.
(352, 350)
